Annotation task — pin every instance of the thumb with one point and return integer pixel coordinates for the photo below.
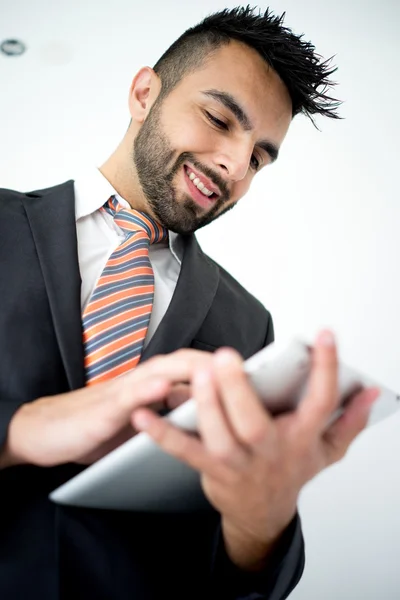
(342, 432)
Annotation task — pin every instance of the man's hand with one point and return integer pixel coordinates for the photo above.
(84, 425)
(253, 466)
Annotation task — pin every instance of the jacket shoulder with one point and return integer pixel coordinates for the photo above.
(9, 194)
(13, 200)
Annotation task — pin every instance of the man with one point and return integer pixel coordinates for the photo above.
(88, 304)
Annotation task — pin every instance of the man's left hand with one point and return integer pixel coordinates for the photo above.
(253, 466)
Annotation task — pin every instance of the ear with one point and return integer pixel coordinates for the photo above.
(144, 90)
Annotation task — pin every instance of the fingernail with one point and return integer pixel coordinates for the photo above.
(326, 338)
(141, 421)
(223, 356)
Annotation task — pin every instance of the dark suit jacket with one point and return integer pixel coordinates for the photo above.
(51, 552)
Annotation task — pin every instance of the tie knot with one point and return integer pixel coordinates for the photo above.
(134, 221)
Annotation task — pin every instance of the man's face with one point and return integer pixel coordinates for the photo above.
(199, 149)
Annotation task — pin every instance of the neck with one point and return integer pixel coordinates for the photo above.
(119, 169)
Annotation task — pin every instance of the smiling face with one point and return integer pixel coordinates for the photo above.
(200, 147)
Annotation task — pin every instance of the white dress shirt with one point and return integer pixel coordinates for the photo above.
(98, 236)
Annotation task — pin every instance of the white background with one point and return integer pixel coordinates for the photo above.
(328, 248)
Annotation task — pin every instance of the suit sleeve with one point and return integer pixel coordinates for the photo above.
(275, 582)
(31, 364)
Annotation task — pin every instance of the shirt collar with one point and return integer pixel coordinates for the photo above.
(92, 190)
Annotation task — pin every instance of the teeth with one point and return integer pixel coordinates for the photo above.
(199, 184)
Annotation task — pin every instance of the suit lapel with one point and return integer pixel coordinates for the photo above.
(193, 296)
(51, 215)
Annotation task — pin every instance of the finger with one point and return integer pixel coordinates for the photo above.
(123, 436)
(177, 366)
(321, 397)
(248, 417)
(151, 390)
(214, 427)
(174, 441)
(179, 393)
(342, 432)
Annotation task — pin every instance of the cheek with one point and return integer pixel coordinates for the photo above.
(191, 135)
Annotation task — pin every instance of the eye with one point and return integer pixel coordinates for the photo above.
(217, 122)
(254, 162)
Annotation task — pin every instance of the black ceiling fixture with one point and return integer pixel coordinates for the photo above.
(12, 47)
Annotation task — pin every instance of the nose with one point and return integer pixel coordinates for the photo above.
(233, 160)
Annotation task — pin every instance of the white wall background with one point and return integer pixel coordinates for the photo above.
(330, 205)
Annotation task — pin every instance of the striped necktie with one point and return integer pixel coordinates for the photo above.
(117, 316)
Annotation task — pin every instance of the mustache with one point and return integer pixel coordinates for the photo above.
(214, 177)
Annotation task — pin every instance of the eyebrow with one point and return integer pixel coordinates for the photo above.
(234, 107)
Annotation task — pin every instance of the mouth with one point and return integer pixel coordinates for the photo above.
(202, 191)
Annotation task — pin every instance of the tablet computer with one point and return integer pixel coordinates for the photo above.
(138, 475)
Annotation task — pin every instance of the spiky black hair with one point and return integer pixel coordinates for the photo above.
(305, 73)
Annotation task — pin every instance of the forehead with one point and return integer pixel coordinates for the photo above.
(239, 70)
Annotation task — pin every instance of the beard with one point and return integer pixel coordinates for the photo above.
(153, 156)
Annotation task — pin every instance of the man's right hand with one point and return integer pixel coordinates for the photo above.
(84, 425)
